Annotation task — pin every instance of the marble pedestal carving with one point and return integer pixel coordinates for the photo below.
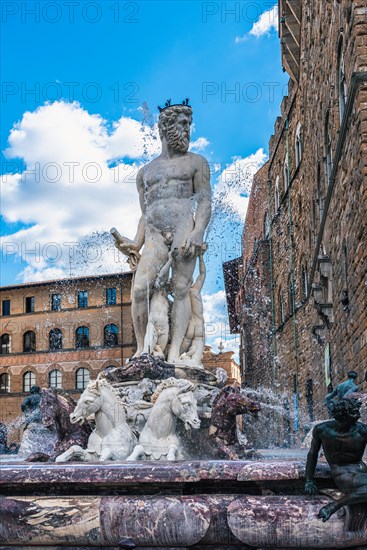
(225, 505)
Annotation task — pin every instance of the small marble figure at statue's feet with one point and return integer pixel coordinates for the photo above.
(172, 453)
(326, 512)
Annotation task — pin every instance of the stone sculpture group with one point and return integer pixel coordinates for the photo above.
(174, 193)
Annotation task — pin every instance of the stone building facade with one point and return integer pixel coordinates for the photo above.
(223, 360)
(302, 303)
(61, 333)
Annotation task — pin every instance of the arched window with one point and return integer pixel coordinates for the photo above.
(55, 379)
(298, 145)
(286, 172)
(341, 81)
(82, 378)
(111, 335)
(29, 380)
(82, 337)
(277, 195)
(29, 341)
(4, 383)
(328, 149)
(55, 339)
(281, 307)
(5, 345)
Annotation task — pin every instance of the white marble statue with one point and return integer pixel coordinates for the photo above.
(157, 332)
(112, 438)
(158, 440)
(174, 192)
(192, 348)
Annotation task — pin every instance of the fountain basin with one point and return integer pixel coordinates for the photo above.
(196, 504)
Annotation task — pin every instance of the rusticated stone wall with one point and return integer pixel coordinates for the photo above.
(253, 304)
(318, 216)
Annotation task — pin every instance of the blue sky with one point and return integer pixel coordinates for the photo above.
(110, 57)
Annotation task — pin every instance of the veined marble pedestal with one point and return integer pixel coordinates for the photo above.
(224, 505)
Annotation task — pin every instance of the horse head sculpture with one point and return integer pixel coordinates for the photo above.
(112, 439)
(56, 407)
(229, 403)
(173, 399)
(235, 402)
(179, 394)
(89, 403)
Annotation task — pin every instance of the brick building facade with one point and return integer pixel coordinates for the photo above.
(302, 303)
(61, 333)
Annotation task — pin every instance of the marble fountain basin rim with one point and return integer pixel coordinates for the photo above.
(132, 473)
(204, 504)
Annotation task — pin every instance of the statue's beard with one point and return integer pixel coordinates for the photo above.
(177, 140)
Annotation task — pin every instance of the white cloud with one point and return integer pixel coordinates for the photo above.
(72, 192)
(215, 309)
(199, 144)
(268, 21)
(230, 344)
(231, 192)
(216, 323)
(133, 139)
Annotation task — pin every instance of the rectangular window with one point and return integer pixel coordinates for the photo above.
(82, 298)
(29, 304)
(55, 302)
(110, 296)
(6, 307)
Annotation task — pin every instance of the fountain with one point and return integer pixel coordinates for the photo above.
(150, 455)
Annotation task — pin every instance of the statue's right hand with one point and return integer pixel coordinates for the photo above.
(310, 488)
(127, 247)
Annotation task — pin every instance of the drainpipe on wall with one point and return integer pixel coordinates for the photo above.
(293, 304)
(356, 79)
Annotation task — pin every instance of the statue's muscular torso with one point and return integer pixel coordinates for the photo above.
(168, 186)
(342, 448)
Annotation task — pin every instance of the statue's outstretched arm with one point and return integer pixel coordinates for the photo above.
(331, 395)
(310, 487)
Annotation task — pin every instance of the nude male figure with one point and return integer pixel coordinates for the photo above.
(342, 390)
(343, 441)
(157, 333)
(168, 187)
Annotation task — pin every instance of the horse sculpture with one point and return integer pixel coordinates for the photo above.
(223, 437)
(173, 399)
(56, 407)
(112, 438)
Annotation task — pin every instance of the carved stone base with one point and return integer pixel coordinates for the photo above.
(226, 505)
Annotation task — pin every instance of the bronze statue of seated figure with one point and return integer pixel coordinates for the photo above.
(343, 440)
